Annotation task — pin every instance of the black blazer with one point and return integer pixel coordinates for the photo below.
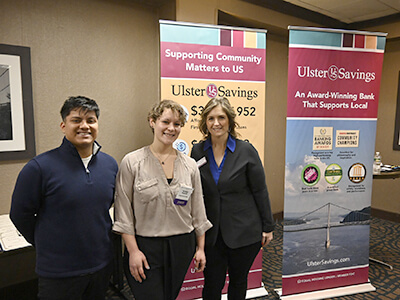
(239, 205)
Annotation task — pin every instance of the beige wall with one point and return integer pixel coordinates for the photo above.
(277, 23)
(385, 192)
(108, 50)
(103, 49)
(276, 77)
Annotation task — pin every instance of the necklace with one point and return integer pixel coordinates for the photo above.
(159, 158)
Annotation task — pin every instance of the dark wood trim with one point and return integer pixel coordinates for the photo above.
(387, 175)
(17, 266)
(278, 216)
(26, 290)
(396, 138)
(385, 215)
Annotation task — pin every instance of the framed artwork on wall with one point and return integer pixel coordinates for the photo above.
(17, 134)
(396, 140)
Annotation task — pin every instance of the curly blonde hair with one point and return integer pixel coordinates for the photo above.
(157, 110)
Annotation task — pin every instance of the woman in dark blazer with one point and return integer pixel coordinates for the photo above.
(236, 200)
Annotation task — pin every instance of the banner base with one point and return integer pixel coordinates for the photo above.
(381, 262)
(252, 293)
(323, 294)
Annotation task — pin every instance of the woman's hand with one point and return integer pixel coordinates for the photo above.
(199, 260)
(200, 256)
(137, 259)
(266, 238)
(137, 263)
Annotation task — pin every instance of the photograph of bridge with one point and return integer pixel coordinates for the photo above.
(327, 214)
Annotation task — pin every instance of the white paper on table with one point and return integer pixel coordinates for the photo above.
(10, 238)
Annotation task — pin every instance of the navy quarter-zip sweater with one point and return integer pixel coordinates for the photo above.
(62, 209)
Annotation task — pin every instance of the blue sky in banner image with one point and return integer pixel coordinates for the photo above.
(301, 199)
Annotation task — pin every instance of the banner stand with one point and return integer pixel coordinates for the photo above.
(381, 263)
(199, 62)
(330, 140)
(329, 293)
(252, 293)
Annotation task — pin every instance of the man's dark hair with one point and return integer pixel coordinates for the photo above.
(81, 103)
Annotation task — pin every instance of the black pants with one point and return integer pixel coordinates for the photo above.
(220, 259)
(91, 286)
(169, 259)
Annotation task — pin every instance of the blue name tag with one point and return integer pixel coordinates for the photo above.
(183, 195)
(180, 202)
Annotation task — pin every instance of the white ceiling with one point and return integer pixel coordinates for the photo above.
(351, 11)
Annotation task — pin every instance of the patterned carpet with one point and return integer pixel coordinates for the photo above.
(384, 246)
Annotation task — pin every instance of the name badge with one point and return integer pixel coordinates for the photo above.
(183, 195)
(202, 161)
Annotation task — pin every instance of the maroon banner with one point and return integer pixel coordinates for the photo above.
(335, 84)
(333, 92)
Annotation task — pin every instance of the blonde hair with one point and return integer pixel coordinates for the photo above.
(227, 108)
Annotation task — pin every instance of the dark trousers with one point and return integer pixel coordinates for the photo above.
(91, 286)
(220, 259)
(169, 259)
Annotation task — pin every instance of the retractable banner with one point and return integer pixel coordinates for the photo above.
(333, 91)
(199, 62)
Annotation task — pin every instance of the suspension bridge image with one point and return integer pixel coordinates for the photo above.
(330, 236)
(312, 220)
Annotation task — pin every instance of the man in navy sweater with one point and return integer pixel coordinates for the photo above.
(61, 205)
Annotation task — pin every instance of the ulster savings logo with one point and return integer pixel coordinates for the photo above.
(333, 72)
(212, 90)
